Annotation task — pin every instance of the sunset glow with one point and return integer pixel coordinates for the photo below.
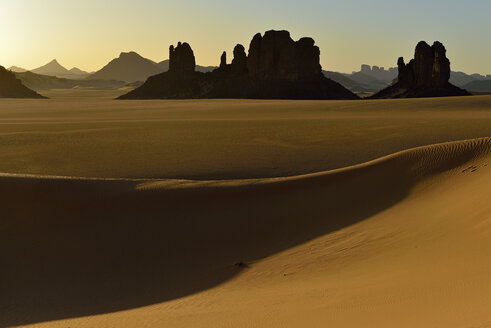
(87, 34)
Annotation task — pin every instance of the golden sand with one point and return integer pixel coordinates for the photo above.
(400, 241)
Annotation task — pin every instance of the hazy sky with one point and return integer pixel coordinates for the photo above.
(89, 33)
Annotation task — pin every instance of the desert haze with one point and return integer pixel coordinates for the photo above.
(206, 213)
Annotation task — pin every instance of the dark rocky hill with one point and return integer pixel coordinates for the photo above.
(276, 67)
(427, 75)
(11, 87)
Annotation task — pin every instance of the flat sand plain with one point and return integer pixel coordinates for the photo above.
(82, 133)
(403, 240)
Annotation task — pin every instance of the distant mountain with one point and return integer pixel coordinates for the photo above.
(478, 86)
(17, 69)
(368, 79)
(52, 68)
(164, 65)
(378, 73)
(461, 79)
(46, 82)
(77, 71)
(374, 78)
(369, 82)
(11, 87)
(205, 69)
(347, 82)
(480, 77)
(131, 67)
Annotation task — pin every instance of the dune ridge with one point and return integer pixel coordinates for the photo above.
(126, 252)
(477, 146)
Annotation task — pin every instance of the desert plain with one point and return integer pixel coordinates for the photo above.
(244, 213)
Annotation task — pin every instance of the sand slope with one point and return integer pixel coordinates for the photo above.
(402, 241)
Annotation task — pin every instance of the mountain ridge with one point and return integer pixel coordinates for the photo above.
(51, 68)
(48, 82)
(368, 79)
(479, 86)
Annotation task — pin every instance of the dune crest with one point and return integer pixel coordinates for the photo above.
(331, 248)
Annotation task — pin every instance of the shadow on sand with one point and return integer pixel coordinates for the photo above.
(71, 248)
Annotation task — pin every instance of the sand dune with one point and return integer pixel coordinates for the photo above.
(401, 241)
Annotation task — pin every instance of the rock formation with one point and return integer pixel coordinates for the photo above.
(239, 63)
(181, 58)
(277, 56)
(426, 75)
(223, 60)
(277, 67)
(11, 87)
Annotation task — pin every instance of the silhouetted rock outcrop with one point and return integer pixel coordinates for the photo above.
(277, 56)
(11, 87)
(223, 60)
(277, 67)
(426, 75)
(239, 63)
(181, 58)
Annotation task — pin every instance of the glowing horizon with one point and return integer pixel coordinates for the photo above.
(88, 35)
